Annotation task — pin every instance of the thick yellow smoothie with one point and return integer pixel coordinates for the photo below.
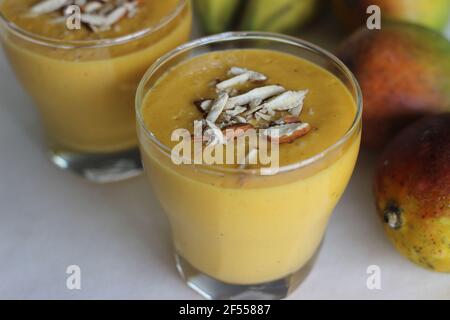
(85, 91)
(245, 228)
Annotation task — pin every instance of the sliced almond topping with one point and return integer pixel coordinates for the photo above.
(48, 6)
(217, 107)
(287, 133)
(92, 6)
(236, 130)
(240, 119)
(227, 117)
(241, 76)
(99, 15)
(263, 116)
(233, 82)
(288, 100)
(116, 15)
(287, 119)
(254, 105)
(255, 76)
(107, 7)
(94, 20)
(236, 111)
(235, 71)
(226, 120)
(203, 105)
(296, 111)
(257, 93)
(132, 7)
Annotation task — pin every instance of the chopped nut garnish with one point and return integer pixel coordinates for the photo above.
(203, 105)
(257, 93)
(236, 130)
(236, 111)
(271, 109)
(287, 119)
(240, 119)
(286, 101)
(256, 76)
(99, 15)
(217, 107)
(263, 116)
(92, 6)
(286, 133)
(255, 103)
(241, 76)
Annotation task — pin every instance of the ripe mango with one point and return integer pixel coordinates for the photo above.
(433, 14)
(216, 15)
(279, 15)
(255, 15)
(404, 73)
(412, 190)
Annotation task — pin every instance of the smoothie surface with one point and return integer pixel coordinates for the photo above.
(328, 107)
(149, 14)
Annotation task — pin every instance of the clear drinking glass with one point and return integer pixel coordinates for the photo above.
(266, 251)
(85, 91)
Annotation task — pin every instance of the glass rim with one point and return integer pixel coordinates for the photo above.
(97, 43)
(252, 35)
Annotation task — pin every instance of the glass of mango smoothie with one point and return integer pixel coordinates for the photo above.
(81, 62)
(241, 232)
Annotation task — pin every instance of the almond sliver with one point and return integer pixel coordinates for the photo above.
(286, 133)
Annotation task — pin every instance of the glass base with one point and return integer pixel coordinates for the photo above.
(99, 168)
(213, 289)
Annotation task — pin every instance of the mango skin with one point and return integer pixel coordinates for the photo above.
(433, 14)
(404, 73)
(413, 179)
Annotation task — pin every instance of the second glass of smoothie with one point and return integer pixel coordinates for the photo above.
(84, 79)
(240, 232)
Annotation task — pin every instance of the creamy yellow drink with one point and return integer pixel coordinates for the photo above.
(230, 222)
(84, 80)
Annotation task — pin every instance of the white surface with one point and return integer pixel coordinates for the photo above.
(119, 237)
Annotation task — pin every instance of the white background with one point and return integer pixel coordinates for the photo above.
(119, 236)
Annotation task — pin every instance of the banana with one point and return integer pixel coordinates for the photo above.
(216, 15)
(278, 15)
